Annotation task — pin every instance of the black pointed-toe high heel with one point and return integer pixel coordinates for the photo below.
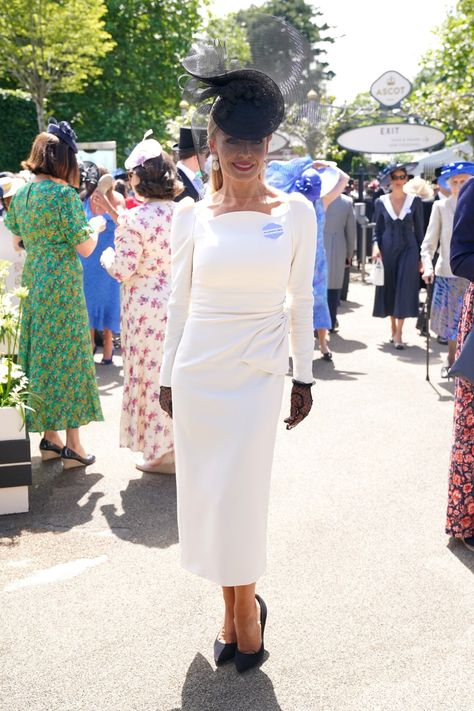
(49, 450)
(72, 459)
(244, 661)
(224, 652)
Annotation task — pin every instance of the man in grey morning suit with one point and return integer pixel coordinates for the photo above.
(339, 243)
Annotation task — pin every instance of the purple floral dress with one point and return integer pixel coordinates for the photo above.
(143, 265)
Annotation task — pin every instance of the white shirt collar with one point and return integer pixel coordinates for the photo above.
(405, 207)
(187, 171)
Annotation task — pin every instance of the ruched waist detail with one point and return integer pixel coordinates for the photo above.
(262, 335)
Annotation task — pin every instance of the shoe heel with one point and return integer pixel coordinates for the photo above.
(73, 460)
(46, 455)
(71, 464)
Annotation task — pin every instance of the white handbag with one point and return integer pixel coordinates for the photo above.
(378, 276)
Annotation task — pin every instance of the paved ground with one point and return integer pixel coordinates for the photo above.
(370, 604)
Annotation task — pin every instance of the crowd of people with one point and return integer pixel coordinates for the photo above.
(204, 263)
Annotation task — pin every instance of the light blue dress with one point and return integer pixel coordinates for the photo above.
(102, 292)
(297, 175)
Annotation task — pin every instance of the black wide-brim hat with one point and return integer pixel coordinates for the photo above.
(248, 104)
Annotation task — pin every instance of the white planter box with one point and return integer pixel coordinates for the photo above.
(15, 462)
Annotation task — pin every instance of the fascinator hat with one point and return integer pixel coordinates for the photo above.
(246, 102)
(452, 169)
(298, 175)
(64, 132)
(147, 149)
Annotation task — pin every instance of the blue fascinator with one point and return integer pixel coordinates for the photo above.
(298, 175)
(64, 132)
(452, 169)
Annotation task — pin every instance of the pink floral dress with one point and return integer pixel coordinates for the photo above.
(143, 264)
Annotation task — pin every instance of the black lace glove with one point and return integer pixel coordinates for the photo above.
(166, 400)
(301, 404)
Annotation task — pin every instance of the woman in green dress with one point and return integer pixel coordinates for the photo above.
(55, 352)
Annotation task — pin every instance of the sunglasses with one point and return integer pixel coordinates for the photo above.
(399, 177)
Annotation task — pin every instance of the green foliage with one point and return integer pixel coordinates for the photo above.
(138, 88)
(51, 46)
(237, 46)
(17, 128)
(444, 88)
(306, 19)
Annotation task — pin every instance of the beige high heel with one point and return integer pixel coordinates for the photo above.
(164, 465)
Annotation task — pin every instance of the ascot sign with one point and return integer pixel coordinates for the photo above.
(391, 138)
(390, 89)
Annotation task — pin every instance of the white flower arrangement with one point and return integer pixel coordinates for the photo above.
(13, 381)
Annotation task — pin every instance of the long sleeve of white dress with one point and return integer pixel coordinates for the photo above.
(300, 288)
(431, 240)
(182, 248)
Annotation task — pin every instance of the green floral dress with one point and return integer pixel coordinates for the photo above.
(55, 347)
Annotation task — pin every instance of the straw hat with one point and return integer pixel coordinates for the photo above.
(10, 186)
(419, 187)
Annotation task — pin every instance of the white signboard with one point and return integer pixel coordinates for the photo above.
(390, 89)
(391, 138)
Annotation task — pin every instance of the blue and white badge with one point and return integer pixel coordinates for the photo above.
(272, 230)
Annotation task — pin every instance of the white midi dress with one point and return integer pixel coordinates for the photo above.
(240, 282)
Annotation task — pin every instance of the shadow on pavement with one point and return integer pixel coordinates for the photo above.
(149, 512)
(346, 307)
(462, 553)
(448, 386)
(54, 500)
(338, 344)
(412, 354)
(327, 370)
(109, 377)
(223, 688)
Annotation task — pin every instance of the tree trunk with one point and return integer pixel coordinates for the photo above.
(40, 113)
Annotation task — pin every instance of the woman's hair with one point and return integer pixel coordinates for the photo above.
(216, 179)
(158, 178)
(399, 168)
(121, 187)
(53, 157)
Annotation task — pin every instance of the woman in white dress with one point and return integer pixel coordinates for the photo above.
(242, 270)
(142, 263)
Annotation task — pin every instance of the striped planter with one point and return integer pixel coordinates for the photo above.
(15, 462)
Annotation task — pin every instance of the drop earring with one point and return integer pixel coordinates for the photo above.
(215, 164)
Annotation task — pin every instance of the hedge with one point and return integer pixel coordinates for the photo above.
(18, 127)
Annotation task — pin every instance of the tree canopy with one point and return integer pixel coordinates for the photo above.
(304, 18)
(138, 88)
(444, 88)
(51, 46)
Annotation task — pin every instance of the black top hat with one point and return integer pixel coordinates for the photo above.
(186, 142)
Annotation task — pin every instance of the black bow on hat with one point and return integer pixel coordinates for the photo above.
(64, 132)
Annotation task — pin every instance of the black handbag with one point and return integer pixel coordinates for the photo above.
(463, 366)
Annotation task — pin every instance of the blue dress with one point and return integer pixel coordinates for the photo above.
(297, 175)
(102, 292)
